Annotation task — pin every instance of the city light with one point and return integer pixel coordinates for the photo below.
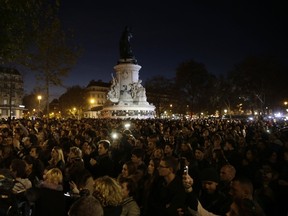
(39, 97)
(127, 125)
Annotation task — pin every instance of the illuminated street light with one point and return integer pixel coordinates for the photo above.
(91, 105)
(92, 101)
(127, 125)
(39, 97)
(171, 111)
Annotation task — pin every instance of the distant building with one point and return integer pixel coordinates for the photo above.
(11, 93)
(96, 94)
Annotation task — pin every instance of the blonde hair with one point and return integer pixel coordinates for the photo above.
(60, 155)
(108, 191)
(54, 176)
(76, 151)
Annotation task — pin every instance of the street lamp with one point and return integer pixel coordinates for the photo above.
(171, 111)
(39, 97)
(91, 101)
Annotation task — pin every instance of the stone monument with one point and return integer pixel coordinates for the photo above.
(127, 96)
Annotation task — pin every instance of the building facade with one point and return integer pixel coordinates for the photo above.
(96, 94)
(11, 93)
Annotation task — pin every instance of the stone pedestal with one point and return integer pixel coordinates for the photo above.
(127, 96)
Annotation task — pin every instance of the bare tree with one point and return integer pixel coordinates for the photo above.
(53, 55)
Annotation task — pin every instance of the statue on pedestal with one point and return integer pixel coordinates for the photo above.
(124, 45)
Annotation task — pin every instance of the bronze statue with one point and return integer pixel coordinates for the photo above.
(125, 46)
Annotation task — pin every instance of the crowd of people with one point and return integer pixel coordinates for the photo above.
(101, 167)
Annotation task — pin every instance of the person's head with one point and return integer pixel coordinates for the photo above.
(151, 145)
(86, 148)
(153, 166)
(128, 168)
(199, 153)
(267, 173)
(168, 165)
(18, 168)
(217, 140)
(74, 153)
(53, 176)
(9, 140)
(86, 205)
(128, 186)
(217, 154)
(29, 161)
(137, 155)
(227, 173)
(78, 140)
(26, 142)
(35, 151)
(57, 154)
(185, 147)
(205, 133)
(241, 188)
(250, 154)
(158, 153)
(209, 179)
(244, 207)
(103, 147)
(6, 151)
(168, 149)
(108, 191)
(104, 133)
(229, 144)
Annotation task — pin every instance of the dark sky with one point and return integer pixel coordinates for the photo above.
(217, 34)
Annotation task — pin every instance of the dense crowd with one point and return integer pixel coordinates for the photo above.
(102, 167)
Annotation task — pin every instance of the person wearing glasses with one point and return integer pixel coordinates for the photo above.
(170, 193)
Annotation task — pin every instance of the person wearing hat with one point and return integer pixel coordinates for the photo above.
(199, 154)
(199, 164)
(242, 202)
(209, 195)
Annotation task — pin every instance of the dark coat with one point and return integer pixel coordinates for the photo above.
(47, 202)
(104, 166)
(168, 198)
(112, 210)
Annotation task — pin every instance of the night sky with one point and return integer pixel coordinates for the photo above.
(216, 34)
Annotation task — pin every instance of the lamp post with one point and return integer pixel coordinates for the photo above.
(39, 97)
(171, 111)
(92, 101)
